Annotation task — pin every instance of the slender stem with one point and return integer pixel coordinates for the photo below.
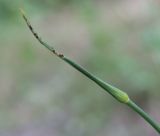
(115, 92)
(143, 114)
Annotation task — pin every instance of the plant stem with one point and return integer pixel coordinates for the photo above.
(143, 114)
(115, 92)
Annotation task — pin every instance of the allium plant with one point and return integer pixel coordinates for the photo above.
(118, 94)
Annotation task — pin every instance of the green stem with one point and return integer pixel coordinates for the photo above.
(143, 114)
(122, 98)
(115, 92)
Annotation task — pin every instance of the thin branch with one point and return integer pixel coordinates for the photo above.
(37, 36)
(115, 92)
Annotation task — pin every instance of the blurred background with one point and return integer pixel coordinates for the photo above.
(117, 40)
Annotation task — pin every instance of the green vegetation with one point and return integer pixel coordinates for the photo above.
(118, 41)
(115, 92)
